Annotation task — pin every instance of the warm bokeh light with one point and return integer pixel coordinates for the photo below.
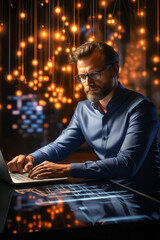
(57, 10)
(34, 62)
(19, 93)
(30, 39)
(22, 78)
(9, 106)
(22, 44)
(19, 53)
(103, 3)
(63, 18)
(57, 35)
(22, 15)
(74, 28)
(57, 105)
(156, 82)
(9, 77)
(15, 73)
(64, 120)
(43, 33)
(42, 102)
(156, 59)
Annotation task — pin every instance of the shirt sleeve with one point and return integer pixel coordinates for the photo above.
(68, 141)
(142, 131)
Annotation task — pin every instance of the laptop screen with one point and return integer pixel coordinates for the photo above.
(77, 205)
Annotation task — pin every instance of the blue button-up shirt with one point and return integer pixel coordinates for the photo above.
(125, 139)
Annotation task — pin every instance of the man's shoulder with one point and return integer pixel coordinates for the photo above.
(134, 96)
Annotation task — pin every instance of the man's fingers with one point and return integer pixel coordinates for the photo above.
(20, 163)
(28, 166)
(12, 165)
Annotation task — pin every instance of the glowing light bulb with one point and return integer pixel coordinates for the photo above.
(30, 39)
(19, 53)
(103, 3)
(57, 105)
(43, 34)
(64, 120)
(56, 52)
(69, 100)
(119, 27)
(22, 44)
(63, 38)
(79, 5)
(57, 10)
(74, 28)
(9, 106)
(110, 43)
(100, 16)
(156, 59)
(57, 35)
(15, 73)
(64, 100)
(66, 24)
(88, 26)
(49, 63)
(46, 95)
(67, 50)
(69, 68)
(63, 18)
(59, 49)
(42, 102)
(22, 78)
(31, 84)
(63, 69)
(142, 30)
(9, 77)
(92, 38)
(76, 95)
(18, 93)
(34, 62)
(154, 69)
(22, 15)
(156, 82)
(51, 99)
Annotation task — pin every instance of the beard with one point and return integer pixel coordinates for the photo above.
(95, 93)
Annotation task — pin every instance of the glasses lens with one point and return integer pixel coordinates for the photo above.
(80, 78)
(94, 75)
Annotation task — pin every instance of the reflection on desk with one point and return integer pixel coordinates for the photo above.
(72, 206)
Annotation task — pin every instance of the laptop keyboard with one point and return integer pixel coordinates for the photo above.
(17, 177)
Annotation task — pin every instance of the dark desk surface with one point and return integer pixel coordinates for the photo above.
(76, 208)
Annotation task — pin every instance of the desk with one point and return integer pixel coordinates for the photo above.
(98, 208)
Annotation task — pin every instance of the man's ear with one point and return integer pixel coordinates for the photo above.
(115, 70)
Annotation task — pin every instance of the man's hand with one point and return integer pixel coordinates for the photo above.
(21, 162)
(49, 170)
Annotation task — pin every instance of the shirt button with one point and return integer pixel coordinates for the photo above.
(104, 138)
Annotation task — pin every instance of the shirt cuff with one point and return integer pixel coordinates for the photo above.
(77, 170)
(39, 157)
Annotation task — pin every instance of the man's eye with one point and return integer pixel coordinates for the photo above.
(82, 76)
(94, 75)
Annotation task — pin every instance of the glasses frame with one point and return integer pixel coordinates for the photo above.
(77, 77)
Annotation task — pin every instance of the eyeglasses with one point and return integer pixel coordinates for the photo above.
(94, 75)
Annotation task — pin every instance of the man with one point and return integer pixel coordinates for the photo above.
(119, 124)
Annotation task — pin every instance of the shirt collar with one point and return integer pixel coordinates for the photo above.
(115, 101)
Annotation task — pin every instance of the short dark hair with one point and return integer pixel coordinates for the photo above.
(86, 49)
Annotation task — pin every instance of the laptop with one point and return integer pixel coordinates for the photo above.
(22, 179)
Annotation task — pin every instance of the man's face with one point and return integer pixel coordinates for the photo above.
(96, 89)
